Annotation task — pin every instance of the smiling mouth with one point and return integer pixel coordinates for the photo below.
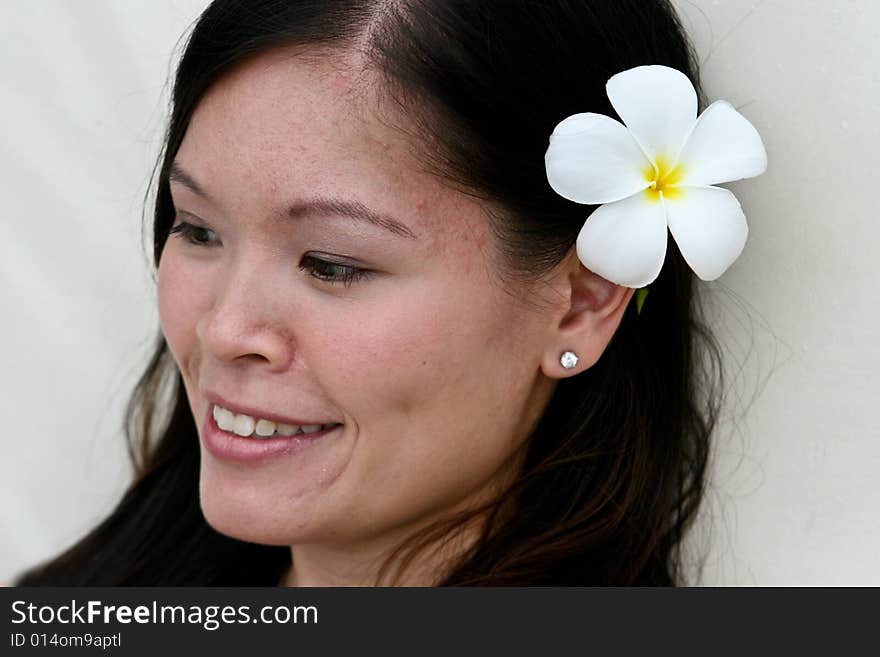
(247, 426)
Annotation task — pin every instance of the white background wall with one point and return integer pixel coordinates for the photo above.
(795, 492)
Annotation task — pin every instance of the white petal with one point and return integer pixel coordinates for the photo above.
(709, 227)
(625, 242)
(659, 106)
(723, 146)
(593, 159)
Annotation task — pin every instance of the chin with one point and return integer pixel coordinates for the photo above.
(251, 518)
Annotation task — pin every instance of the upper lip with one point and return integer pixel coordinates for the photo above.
(253, 411)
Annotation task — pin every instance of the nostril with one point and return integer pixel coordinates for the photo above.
(256, 345)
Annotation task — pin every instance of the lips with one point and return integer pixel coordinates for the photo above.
(269, 415)
(250, 434)
(247, 426)
(231, 447)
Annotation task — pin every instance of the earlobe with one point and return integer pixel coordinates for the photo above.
(594, 310)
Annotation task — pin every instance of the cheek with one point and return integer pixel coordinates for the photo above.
(180, 300)
(435, 415)
(420, 357)
(388, 355)
(415, 341)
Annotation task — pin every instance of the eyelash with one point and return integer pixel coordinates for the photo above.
(339, 273)
(189, 232)
(345, 274)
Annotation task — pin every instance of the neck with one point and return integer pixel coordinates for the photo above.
(361, 564)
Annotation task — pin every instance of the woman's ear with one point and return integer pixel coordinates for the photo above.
(593, 309)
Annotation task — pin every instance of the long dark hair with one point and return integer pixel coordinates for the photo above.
(614, 472)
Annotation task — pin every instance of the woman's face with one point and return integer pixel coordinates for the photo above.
(428, 364)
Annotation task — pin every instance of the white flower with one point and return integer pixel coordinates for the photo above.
(656, 171)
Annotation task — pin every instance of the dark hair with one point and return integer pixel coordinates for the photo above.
(614, 472)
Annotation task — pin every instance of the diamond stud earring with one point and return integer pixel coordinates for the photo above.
(568, 359)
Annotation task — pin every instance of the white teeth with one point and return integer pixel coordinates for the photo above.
(224, 419)
(287, 429)
(265, 428)
(245, 425)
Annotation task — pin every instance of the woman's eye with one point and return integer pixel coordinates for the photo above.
(332, 272)
(323, 270)
(194, 234)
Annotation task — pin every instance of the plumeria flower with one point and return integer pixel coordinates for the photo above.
(657, 171)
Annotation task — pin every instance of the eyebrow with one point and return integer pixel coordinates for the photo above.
(312, 207)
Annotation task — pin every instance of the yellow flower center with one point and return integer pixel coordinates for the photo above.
(664, 179)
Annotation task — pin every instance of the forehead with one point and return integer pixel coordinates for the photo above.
(290, 124)
(284, 104)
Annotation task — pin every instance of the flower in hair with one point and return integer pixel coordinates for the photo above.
(657, 171)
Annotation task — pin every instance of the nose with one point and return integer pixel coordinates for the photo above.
(245, 323)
